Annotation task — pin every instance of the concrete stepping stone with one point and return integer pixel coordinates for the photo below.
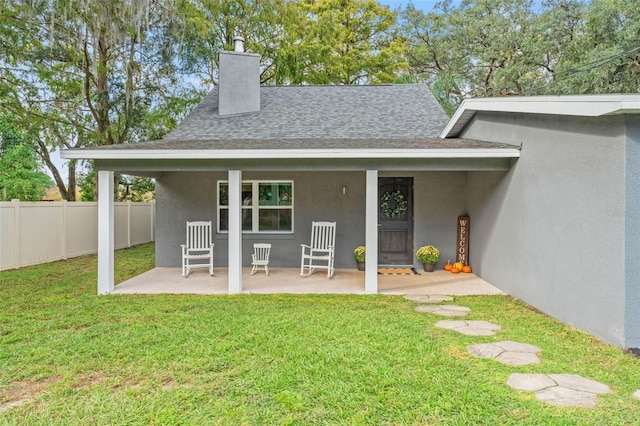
(574, 381)
(558, 395)
(530, 382)
(470, 328)
(507, 352)
(445, 310)
(637, 394)
(428, 298)
(569, 390)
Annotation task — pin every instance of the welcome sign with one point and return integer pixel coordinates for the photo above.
(462, 245)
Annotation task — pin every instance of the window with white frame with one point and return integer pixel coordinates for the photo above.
(267, 206)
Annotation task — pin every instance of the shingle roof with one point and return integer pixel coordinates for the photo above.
(316, 143)
(320, 113)
(400, 121)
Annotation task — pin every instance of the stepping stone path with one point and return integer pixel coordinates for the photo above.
(470, 328)
(445, 310)
(428, 298)
(507, 352)
(637, 394)
(569, 390)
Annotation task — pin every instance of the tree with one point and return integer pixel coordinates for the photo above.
(84, 73)
(211, 25)
(500, 48)
(341, 42)
(604, 56)
(432, 56)
(87, 181)
(136, 188)
(479, 48)
(20, 174)
(300, 42)
(127, 188)
(20, 177)
(10, 135)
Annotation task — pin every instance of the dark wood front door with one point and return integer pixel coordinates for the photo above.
(395, 221)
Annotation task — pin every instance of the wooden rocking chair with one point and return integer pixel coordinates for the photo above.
(198, 248)
(260, 257)
(319, 254)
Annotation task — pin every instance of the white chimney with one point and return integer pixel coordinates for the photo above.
(238, 80)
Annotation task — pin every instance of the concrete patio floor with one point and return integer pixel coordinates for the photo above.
(288, 280)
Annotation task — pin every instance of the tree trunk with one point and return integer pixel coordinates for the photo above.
(43, 152)
(102, 89)
(72, 181)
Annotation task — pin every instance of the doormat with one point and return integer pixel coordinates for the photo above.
(398, 271)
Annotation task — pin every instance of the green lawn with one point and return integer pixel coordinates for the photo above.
(78, 358)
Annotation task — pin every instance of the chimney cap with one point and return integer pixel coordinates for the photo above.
(238, 43)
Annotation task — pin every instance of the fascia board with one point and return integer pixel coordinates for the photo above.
(585, 105)
(557, 106)
(454, 120)
(173, 154)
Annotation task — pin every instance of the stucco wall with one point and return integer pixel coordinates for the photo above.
(632, 230)
(551, 231)
(317, 196)
(439, 197)
(178, 200)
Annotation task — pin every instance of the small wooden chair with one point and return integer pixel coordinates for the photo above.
(198, 248)
(260, 257)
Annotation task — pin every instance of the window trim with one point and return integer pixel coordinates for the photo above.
(256, 207)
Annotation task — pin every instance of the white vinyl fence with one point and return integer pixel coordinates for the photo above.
(40, 232)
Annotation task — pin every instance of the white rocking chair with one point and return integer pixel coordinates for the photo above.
(260, 257)
(198, 248)
(319, 254)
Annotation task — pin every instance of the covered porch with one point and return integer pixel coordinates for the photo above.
(335, 148)
(357, 209)
(288, 280)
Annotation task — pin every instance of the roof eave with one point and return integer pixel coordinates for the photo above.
(174, 154)
(582, 105)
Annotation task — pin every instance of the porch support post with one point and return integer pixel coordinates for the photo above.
(371, 233)
(105, 232)
(235, 232)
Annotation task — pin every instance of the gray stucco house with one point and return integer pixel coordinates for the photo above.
(551, 185)
(560, 229)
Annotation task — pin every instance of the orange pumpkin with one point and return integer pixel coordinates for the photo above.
(448, 266)
(466, 269)
(455, 270)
